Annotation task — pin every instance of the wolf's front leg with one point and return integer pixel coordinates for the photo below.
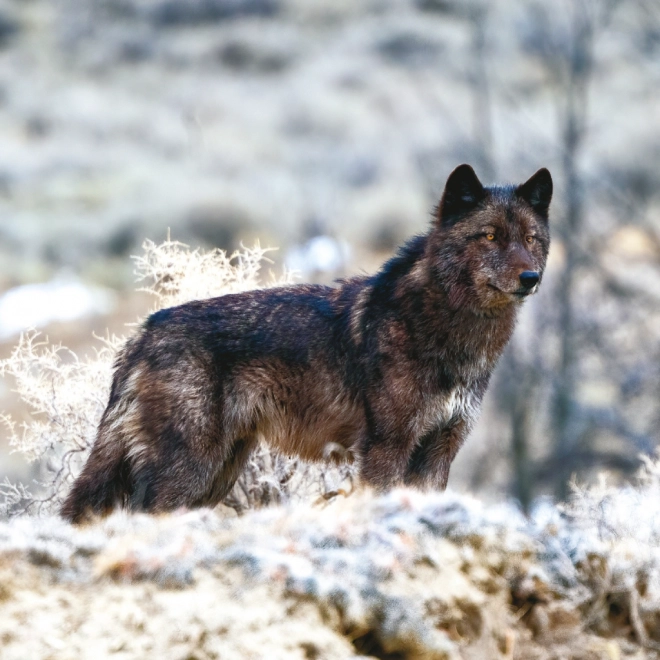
(384, 458)
(430, 461)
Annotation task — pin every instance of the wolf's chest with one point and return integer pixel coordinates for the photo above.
(448, 407)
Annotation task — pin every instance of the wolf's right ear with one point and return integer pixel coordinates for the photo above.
(463, 191)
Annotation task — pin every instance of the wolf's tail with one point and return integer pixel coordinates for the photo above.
(104, 483)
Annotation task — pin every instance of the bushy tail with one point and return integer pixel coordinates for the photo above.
(104, 483)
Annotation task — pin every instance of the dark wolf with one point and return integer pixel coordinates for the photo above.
(392, 367)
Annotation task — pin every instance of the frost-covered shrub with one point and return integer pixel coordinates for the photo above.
(67, 394)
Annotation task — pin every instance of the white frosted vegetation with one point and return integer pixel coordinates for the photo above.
(422, 575)
(176, 274)
(66, 396)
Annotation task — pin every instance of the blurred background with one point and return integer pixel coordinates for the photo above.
(327, 128)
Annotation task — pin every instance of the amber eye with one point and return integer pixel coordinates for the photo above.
(490, 237)
(529, 239)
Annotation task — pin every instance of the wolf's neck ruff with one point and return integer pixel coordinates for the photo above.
(391, 367)
(445, 327)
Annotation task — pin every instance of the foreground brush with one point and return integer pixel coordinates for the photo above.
(391, 367)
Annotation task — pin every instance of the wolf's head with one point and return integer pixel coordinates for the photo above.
(489, 245)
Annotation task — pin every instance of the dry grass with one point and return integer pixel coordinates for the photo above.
(67, 394)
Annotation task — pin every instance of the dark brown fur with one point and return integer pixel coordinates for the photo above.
(391, 367)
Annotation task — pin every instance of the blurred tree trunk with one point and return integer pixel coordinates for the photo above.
(516, 395)
(520, 427)
(574, 129)
(481, 93)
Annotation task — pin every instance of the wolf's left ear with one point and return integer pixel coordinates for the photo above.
(537, 191)
(463, 191)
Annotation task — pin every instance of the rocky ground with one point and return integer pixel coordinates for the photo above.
(404, 575)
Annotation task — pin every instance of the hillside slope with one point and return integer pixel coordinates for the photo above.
(403, 575)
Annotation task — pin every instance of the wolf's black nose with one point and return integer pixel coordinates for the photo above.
(529, 278)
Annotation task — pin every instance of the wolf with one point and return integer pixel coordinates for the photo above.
(390, 367)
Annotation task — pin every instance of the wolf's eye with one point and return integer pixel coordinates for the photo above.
(490, 236)
(529, 239)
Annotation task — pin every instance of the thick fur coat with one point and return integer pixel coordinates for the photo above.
(391, 367)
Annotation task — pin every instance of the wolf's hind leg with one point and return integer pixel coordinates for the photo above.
(160, 487)
(190, 479)
(229, 472)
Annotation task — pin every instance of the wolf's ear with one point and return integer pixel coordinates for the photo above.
(463, 191)
(537, 191)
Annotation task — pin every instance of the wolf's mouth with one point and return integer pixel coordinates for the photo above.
(519, 293)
